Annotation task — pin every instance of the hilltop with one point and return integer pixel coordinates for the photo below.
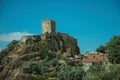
(40, 57)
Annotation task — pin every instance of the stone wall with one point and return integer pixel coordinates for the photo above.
(48, 26)
(29, 40)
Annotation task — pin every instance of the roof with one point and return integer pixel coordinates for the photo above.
(94, 53)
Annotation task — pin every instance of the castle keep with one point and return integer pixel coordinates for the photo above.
(48, 26)
(55, 41)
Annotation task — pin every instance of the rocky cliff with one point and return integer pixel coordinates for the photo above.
(38, 57)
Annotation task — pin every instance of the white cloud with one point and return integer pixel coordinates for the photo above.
(1, 48)
(12, 36)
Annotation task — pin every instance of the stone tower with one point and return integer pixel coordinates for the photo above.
(48, 26)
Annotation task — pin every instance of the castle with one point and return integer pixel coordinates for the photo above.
(54, 40)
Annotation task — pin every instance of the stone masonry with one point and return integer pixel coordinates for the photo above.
(48, 26)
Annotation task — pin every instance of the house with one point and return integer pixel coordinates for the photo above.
(91, 58)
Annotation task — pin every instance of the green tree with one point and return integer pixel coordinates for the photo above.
(34, 68)
(12, 44)
(71, 73)
(45, 53)
(113, 50)
(100, 72)
(40, 67)
(54, 61)
(93, 72)
(101, 49)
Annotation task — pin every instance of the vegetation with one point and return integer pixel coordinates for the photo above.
(37, 62)
(98, 72)
(112, 48)
(62, 73)
(101, 49)
(68, 72)
(40, 67)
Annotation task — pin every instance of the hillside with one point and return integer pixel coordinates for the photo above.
(32, 59)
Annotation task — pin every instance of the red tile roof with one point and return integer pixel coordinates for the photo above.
(94, 53)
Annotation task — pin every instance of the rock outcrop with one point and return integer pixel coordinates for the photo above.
(38, 57)
(54, 41)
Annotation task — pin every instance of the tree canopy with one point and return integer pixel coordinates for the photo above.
(112, 48)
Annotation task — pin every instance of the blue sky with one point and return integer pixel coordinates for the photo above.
(92, 22)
